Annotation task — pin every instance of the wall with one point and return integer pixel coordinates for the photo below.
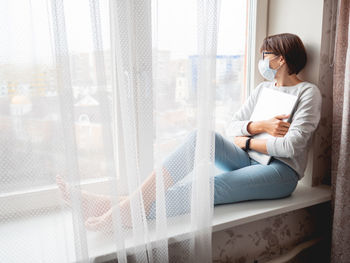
(272, 237)
(303, 18)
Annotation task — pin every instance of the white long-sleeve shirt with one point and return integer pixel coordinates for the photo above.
(291, 149)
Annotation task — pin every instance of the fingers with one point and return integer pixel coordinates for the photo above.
(285, 125)
(282, 116)
(283, 129)
(280, 132)
(282, 125)
(281, 135)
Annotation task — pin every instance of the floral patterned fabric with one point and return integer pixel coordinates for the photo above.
(321, 170)
(269, 238)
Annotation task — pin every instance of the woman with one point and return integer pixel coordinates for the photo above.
(283, 57)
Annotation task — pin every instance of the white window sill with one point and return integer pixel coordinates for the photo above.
(225, 216)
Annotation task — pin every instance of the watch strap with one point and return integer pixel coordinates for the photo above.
(247, 144)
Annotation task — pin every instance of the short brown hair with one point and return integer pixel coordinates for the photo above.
(290, 47)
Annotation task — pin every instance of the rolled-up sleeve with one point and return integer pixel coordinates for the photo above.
(240, 120)
(304, 122)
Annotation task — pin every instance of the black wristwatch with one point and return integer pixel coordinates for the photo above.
(247, 144)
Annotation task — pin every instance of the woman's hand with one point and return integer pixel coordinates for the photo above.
(276, 127)
(240, 141)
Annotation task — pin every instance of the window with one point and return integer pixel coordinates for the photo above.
(28, 89)
(31, 143)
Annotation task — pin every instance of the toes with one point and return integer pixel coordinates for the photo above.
(103, 223)
(59, 179)
(63, 187)
(92, 221)
(60, 182)
(95, 224)
(122, 198)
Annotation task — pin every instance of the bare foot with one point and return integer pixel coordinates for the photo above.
(104, 222)
(93, 205)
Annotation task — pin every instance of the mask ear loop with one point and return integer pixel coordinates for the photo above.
(275, 82)
(279, 65)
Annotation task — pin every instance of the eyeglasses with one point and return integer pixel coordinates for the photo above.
(266, 52)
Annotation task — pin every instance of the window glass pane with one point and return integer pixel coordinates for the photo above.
(230, 67)
(31, 134)
(177, 67)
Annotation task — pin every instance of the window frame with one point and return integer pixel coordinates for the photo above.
(257, 31)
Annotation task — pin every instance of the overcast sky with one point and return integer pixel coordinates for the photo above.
(25, 28)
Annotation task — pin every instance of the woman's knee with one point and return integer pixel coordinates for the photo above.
(193, 134)
(218, 136)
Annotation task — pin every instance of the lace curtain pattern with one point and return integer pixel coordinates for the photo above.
(89, 161)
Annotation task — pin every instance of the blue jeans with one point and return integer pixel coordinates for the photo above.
(243, 178)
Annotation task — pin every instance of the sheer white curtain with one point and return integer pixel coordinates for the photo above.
(106, 139)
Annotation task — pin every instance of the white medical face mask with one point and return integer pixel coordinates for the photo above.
(265, 70)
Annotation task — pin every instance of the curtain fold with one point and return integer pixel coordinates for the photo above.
(107, 135)
(203, 192)
(340, 249)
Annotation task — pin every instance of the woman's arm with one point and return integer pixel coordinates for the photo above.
(274, 126)
(258, 145)
(304, 122)
(255, 127)
(240, 124)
